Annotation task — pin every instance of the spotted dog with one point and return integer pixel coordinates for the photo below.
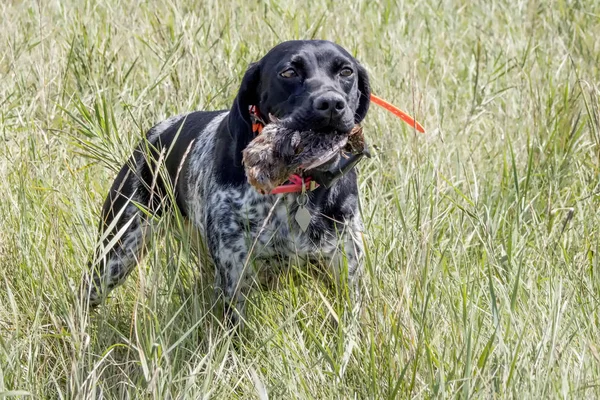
(312, 85)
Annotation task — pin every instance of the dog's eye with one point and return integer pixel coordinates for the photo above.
(289, 73)
(346, 71)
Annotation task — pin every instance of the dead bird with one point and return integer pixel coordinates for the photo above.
(278, 152)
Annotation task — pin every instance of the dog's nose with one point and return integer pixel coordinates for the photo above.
(330, 104)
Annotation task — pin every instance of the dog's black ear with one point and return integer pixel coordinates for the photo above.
(364, 94)
(239, 122)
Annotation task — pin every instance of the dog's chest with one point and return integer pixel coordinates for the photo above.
(267, 221)
(225, 214)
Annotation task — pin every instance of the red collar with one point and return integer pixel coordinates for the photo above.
(296, 183)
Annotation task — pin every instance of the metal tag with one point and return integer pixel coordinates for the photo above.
(303, 218)
(302, 215)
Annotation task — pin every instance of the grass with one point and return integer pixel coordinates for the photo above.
(482, 276)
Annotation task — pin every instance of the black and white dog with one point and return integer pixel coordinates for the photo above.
(312, 85)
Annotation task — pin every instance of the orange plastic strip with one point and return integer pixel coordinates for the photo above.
(397, 112)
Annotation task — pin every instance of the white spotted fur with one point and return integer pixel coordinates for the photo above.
(239, 235)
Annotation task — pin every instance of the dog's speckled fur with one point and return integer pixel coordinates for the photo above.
(202, 153)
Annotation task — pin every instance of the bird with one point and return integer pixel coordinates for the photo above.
(277, 152)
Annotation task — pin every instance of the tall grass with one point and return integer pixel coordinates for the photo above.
(482, 274)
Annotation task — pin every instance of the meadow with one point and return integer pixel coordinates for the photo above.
(482, 275)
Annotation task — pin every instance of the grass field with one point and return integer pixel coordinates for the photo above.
(483, 267)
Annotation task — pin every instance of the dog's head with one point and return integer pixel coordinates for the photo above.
(307, 84)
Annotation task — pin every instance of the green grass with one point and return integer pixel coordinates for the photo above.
(483, 269)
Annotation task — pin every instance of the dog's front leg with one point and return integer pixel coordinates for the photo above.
(347, 260)
(229, 250)
(233, 281)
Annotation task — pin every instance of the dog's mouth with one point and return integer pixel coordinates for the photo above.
(321, 149)
(302, 122)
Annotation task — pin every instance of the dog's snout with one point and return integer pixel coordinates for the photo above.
(330, 104)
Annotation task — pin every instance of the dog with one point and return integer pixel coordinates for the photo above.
(311, 84)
